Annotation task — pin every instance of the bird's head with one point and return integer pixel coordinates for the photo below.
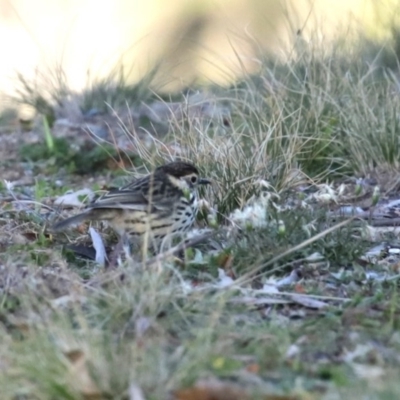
(183, 175)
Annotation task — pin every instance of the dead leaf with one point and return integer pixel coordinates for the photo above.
(299, 288)
(80, 377)
(213, 391)
(74, 355)
(253, 368)
(98, 244)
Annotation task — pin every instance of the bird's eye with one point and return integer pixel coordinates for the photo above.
(193, 179)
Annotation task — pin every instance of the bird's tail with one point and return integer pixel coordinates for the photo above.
(76, 219)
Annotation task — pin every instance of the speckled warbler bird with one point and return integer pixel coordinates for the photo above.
(159, 204)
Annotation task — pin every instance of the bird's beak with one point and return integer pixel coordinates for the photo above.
(203, 181)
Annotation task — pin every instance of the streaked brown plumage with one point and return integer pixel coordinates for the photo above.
(161, 203)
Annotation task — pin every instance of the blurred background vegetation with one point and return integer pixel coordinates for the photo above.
(189, 41)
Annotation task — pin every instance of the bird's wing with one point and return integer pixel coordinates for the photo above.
(137, 196)
(123, 199)
(157, 191)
